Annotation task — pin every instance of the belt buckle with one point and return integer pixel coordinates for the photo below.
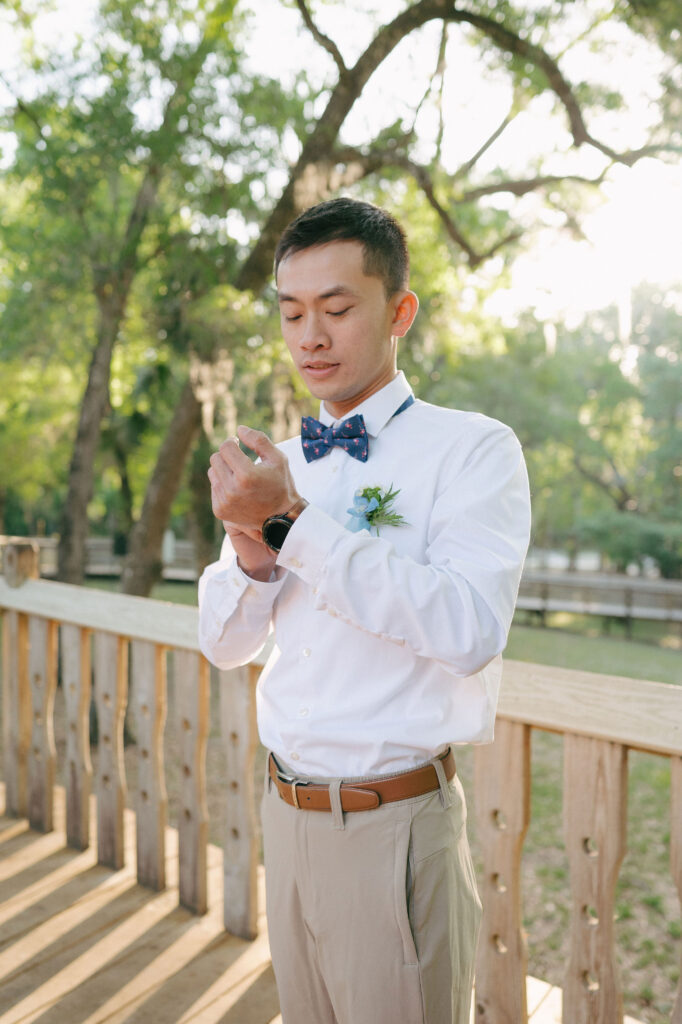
(292, 781)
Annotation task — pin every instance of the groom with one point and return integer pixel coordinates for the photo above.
(384, 547)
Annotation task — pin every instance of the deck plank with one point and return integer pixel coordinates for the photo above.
(82, 943)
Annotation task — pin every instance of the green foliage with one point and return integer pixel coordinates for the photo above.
(166, 92)
(627, 538)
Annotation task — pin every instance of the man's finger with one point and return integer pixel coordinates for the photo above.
(259, 443)
(232, 455)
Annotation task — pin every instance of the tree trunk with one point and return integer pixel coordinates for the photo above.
(142, 566)
(203, 528)
(74, 522)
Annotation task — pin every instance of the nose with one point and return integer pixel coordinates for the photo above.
(314, 334)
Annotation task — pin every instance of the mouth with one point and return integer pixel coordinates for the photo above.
(319, 369)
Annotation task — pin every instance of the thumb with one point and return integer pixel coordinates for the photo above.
(259, 443)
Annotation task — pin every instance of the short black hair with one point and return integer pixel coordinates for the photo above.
(352, 220)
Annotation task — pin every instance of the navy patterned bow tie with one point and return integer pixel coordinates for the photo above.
(351, 435)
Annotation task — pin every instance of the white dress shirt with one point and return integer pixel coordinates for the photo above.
(387, 647)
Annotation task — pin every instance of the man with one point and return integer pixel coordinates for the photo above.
(384, 548)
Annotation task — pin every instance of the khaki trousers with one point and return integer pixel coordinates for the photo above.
(373, 916)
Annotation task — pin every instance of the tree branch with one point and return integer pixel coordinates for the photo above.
(320, 142)
(522, 186)
(468, 165)
(375, 159)
(126, 263)
(328, 44)
(424, 181)
(438, 72)
(619, 496)
(24, 108)
(510, 42)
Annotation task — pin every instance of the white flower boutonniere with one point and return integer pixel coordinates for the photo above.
(372, 508)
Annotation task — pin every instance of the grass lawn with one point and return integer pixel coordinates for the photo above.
(612, 655)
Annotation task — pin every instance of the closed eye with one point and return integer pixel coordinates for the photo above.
(291, 319)
(338, 312)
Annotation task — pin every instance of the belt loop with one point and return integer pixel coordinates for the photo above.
(445, 796)
(335, 801)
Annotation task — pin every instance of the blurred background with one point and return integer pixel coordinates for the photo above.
(152, 150)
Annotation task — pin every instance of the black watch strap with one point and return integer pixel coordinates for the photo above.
(275, 528)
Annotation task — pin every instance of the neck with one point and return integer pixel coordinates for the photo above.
(340, 407)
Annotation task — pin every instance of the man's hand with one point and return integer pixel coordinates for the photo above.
(244, 494)
(255, 558)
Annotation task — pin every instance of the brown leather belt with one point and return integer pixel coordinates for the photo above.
(361, 796)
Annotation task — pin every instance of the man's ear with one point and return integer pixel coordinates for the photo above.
(406, 305)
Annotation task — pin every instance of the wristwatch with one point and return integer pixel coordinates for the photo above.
(276, 528)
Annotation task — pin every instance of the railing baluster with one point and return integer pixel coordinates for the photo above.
(191, 675)
(42, 674)
(240, 859)
(595, 813)
(16, 711)
(77, 687)
(111, 686)
(676, 855)
(148, 685)
(502, 798)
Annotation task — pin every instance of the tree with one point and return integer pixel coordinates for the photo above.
(600, 419)
(87, 156)
(219, 142)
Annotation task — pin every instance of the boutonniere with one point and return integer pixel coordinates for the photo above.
(372, 508)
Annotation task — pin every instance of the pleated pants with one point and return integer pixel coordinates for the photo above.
(373, 916)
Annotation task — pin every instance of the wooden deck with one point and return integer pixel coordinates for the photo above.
(82, 944)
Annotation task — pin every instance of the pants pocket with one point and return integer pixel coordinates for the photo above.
(402, 879)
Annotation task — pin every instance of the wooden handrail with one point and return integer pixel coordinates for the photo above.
(112, 638)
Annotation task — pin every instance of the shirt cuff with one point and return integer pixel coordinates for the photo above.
(308, 544)
(224, 589)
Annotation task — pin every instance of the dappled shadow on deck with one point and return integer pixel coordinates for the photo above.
(82, 944)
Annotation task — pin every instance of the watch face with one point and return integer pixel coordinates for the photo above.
(275, 531)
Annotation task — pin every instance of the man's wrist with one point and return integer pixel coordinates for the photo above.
(276, 528)
(261, 574)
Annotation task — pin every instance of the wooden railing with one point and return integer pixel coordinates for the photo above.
(542, 591)
(178, 556)
(616, 596)
(117, 641)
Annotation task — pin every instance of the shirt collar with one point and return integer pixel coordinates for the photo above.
(378, 408)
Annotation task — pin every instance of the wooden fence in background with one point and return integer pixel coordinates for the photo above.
(541, 591)
(108, 641)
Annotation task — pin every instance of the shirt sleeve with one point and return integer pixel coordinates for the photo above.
(235, 611)
(457, 607)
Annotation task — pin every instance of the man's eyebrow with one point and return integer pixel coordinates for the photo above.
(338, 289)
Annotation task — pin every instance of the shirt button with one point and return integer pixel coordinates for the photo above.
(294, 756)
(335, 469)
(303, 712)
(295, 562)
(306, 652)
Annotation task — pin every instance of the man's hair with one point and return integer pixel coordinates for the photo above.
(350, 220)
